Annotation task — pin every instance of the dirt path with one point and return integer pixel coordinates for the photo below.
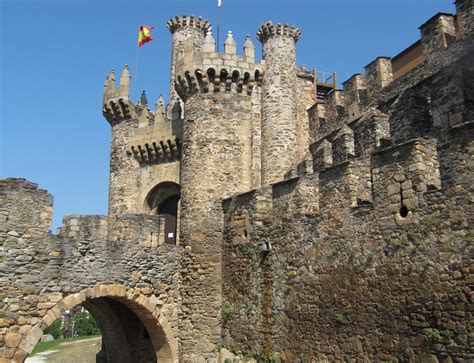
(83, 351)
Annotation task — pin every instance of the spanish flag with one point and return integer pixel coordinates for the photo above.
(144, 35)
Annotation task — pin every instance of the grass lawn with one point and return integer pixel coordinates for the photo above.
(54, 344)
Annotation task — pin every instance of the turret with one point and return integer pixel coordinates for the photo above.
(217, 90)
(160, 110)
(229, 45)
(249, 50)
(209, 45)
(143, 100)
(182, 28)
(140, 138)
(279, 106)
(124, 88)
(116, 104)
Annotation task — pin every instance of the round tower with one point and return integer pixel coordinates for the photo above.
(216, 163)
(184, 27)
(279, 104)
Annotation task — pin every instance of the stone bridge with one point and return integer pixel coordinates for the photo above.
(128, 283)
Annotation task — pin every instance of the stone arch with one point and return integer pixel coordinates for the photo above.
(163, 199)
(146, 309)
(159, 194)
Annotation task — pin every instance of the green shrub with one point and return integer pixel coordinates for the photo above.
(250, 250)
(226, 313)
(85, 325)
(370, 259)
(341, 319)
(218, 347)
(432, 334)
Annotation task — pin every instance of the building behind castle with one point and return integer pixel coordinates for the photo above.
(267, 212)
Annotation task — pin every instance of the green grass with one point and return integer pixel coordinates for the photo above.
(54, 344)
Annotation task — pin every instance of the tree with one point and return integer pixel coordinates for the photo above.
(84, 324)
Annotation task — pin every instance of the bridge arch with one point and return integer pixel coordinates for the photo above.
(133, 328)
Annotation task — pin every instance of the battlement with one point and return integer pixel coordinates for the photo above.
(347, 184)
(117, 105)
(188, 21)
(269, 29)
(211, 71)
(386, 78)
(132, 230)
(25, 209)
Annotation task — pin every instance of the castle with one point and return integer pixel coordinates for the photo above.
(266, 213)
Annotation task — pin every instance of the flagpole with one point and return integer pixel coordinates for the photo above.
(218, 25)
(136, 74)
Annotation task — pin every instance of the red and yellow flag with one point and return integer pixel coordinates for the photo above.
(144, 35)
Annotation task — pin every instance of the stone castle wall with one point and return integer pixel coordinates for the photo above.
(368, 258)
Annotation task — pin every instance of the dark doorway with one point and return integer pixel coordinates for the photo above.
(163, 200)
(169, 209)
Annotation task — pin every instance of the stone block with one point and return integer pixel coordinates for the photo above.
(12, 340)
(45, 306)
(393, 189)
(49, 318)
(20, 356)
(6, 354)
(224, 355)
(55, 297)
(406, 185)
(428, 359)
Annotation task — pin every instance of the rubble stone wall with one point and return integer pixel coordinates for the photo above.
(38, 269)
(370, 257)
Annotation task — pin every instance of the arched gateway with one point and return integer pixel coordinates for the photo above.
(132, 325)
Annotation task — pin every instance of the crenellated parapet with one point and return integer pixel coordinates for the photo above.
(350, 103)
(269, 29)
(117, 105)
(188, 21)
(387, 78)
(359, 138)
(211, 71)
(156, 140)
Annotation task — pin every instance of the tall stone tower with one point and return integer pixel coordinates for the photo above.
(216, 163)
(279, 101)
(183, 28)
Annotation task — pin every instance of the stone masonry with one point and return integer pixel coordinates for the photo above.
(253, 220)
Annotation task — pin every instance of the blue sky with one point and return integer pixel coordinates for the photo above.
(55, 55)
